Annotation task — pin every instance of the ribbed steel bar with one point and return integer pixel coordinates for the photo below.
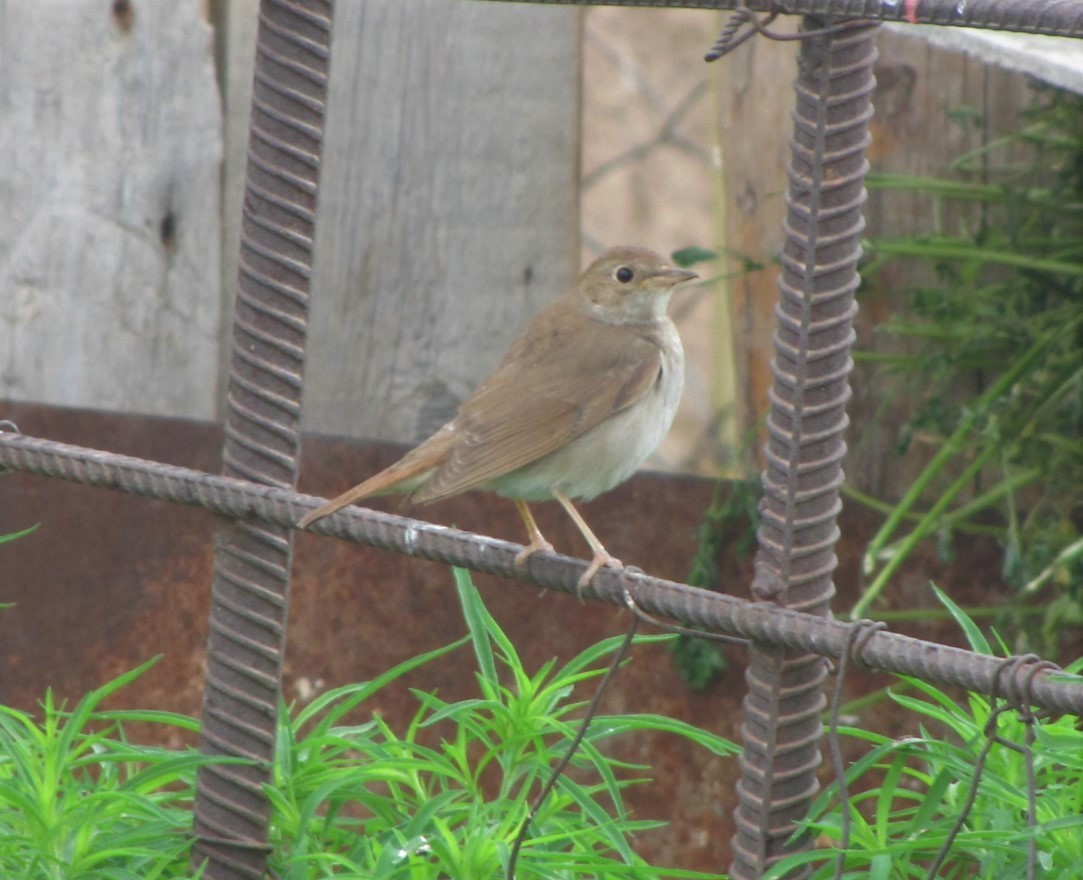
(250, 593)
(1050, 17)
(707, 610)
(806, 425)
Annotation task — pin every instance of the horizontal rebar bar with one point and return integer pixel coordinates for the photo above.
(714, 612)
(1049, 17)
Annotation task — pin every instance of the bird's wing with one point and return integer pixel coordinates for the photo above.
(550, 389)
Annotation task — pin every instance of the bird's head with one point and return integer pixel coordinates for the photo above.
(629, 285)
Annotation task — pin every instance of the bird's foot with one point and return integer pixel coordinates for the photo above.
(600, 560)
(536, 544)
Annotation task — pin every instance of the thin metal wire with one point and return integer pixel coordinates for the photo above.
(631, 604)
(730, 38)
(1047, 689)
(1031, 665)
(1030, 720)
(860, 632)
(1018, 696)
(581, 731)
(971, 795)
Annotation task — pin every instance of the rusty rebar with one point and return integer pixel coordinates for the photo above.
(250, 593)
(703, 609)
(1050, 17)
(806, 425)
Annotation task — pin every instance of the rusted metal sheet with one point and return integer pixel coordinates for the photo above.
(110, 580)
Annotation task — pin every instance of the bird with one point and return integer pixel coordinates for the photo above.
(584, 394)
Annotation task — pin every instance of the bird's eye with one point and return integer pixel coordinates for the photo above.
(624, 274)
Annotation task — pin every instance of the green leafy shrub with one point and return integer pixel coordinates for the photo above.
(78, 801)
(909, 795)
(1003, 315)
(366, 801)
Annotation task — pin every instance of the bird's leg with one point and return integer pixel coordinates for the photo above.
(537, 539)
(601, 555)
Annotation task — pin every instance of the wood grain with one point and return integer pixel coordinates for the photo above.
(448, 204)
(109, 206)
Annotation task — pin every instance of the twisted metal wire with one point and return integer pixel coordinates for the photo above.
(702, 609)
(1050, 17)
(860, 631)
(250, 593)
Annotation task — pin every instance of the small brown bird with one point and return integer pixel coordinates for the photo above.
(582, 397)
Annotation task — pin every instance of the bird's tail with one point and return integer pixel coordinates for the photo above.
(405, 475)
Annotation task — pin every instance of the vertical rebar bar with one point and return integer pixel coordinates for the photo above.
(252, 561)
(806, 425)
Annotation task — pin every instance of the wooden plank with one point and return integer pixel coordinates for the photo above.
(923, 92)
(919, 89)
(1054, 60)
(109, 231)
(651, 178)
(448, 204)
(756, 98)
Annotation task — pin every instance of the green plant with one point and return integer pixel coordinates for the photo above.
(732, 519)
(1004, 316)
(77, 800)
(921, 786)
(14, 536)
(362, 800)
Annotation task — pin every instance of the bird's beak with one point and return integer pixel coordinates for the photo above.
(673, 275)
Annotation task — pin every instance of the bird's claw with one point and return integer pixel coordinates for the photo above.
(523, 556)
(599, 561)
